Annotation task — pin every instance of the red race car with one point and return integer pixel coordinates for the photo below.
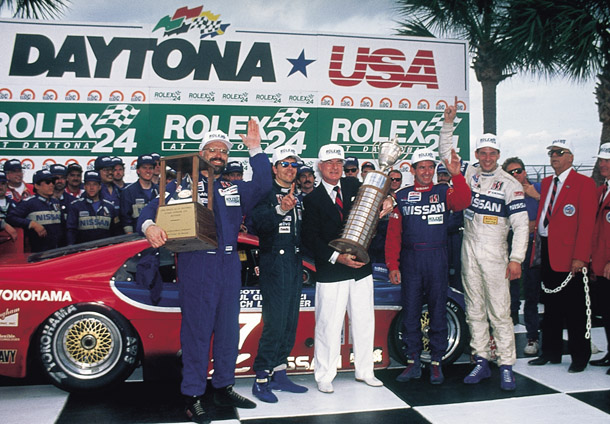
(82, 316)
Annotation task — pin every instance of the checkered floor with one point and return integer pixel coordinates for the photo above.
(545, 394)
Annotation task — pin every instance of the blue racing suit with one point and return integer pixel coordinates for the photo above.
(417, 231)
(281, 279)
(88, 220)
(44, 211)
(133, 200)
(209, 280)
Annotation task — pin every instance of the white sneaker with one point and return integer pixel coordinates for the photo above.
(326, 387)
(531, 348)
(371, 381)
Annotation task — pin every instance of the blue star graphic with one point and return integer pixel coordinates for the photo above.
(300, 64)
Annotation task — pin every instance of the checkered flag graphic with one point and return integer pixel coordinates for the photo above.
(290, 118)
(121, 116)
(205, 25)
(436, 123)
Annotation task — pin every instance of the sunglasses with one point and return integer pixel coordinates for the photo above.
(559, 152)
(350, 170)
(48, 181)
(285, 164)
(396, 179)
(516, 171)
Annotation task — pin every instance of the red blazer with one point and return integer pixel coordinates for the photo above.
(601, 235)
(572, 220)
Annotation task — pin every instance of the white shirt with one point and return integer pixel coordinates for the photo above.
(542, 230)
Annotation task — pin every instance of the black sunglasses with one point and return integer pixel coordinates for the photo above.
(516, 171)
(396, 179)
(48, 181)
(350, 170)
(287, 164)
(559, 153)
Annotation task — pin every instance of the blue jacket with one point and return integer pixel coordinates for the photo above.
(85, 223)
(46, 212)
(133, 200)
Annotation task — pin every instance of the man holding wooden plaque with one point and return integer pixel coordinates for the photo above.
(209, 280)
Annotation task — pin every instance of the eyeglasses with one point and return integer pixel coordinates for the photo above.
(285, 164)
(214, 150)
(516, 171)
(350, 170)
(396, 179)
(48, 181)
(558, 152)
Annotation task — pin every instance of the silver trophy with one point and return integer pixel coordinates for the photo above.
(364, 215)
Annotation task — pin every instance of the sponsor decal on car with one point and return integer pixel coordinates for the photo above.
(7, 356)
(35, 295)
(9, 318)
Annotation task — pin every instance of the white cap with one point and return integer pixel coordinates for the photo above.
(284, 152)
(562, 144)
(215, 136)
(604, 151)
(421, 155)
(331, 151)
(488, 140)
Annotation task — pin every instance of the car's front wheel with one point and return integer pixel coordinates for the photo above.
(86, 347)
(457, 335)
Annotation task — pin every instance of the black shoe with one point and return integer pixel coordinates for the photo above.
(603, 362)
(226, 396)
(194, 410)
(543, 360)
(608, 371)
(574, 368)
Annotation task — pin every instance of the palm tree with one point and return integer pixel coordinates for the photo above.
(35, 9)
(575, 37)
(481, 22)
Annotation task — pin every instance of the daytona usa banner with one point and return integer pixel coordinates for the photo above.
(72, 92)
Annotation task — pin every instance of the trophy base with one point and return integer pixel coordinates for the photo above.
(189, 226)
(343, 245)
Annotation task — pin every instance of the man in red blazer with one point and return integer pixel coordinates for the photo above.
(566, 217)
(600, 258)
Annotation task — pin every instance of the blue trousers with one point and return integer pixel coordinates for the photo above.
(424, 279)
(209, 297)
(280, 283)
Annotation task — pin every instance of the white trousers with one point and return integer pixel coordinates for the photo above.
(332, 300)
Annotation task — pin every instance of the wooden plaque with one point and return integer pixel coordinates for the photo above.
(189, 225)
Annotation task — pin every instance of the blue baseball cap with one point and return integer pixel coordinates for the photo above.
(145, 160)
(12, 165)
(3, 177)
(303, 169)
(93, 176)
(233, 166)
(102, 162)
(441, 169)
(350, 161)
(43, 175)
(58, 170)
(117, 161)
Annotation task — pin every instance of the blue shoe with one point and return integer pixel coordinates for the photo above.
(281, 382)
(436, 373)
(261, 388)
(413, 370)
(479, 372)
(507, 378)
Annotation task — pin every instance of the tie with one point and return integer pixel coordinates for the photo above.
(550, 208)
(339, 201)
(601, 200)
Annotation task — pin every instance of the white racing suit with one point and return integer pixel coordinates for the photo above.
(497, 205)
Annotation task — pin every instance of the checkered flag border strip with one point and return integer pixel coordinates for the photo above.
(290, 118)
(436, 123)
(121, 116)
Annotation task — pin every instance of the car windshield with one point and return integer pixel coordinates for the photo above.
(81, 247)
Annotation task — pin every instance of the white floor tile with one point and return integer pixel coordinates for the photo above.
(31, 404)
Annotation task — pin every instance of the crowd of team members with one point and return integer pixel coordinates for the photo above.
(58, 209)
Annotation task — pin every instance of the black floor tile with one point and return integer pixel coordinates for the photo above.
(453, 390)
(135, 403)
(391, 416)
(598, 399)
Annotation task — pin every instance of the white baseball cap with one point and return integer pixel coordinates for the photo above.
(215, 136)
(284, 152)
(331, 151)
(604, 151)
(562, 144)
(421, 155)
(487, 140)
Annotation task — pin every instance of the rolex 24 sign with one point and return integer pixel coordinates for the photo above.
(75, 91)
